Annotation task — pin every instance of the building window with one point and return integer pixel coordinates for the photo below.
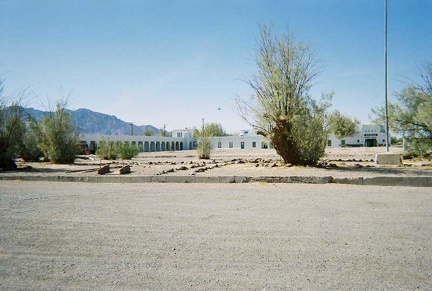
(219, 145)
(343, 142)
(264, 145)
(358, 140)
(254, 144)
(230, 144)
(179, 134)
(329, 143)
(242, 145)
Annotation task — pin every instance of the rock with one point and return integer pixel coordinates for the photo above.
(104, 170)
(125, 170)
(44, 159)
(388, 159)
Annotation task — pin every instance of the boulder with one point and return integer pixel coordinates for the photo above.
(388, 159)
(125, 170)
(104, 170)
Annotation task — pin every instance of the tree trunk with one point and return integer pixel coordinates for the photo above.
(284, 145)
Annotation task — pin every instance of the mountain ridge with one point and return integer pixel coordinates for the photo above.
(92, 122)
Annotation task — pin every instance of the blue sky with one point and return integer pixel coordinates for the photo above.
(175, 62)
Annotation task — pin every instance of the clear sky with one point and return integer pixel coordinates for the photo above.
(175, 62)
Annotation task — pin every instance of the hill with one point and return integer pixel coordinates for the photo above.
(91, 122)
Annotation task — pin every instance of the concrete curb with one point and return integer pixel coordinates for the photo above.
(373, 181)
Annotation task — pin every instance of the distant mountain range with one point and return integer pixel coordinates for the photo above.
(87, 121)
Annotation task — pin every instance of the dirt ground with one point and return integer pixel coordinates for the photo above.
(338, 163)
(85, 236)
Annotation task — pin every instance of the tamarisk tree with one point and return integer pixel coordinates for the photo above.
(280, 107)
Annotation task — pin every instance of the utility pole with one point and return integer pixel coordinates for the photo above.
(164, 127)
(131, 124)
(386, 77)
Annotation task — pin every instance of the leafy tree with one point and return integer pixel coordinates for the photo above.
(281, 108)
(411, 115)
(342, 125)
(59, 139)
(12, 129)
(212, 129)
(29, 144)
(148, 132)
(163, 132)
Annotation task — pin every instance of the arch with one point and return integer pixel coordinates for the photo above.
(177, 145)
(163, 146)
(152, 146)
(168, 146)
(158, 146)
(181, 145)
(93, 147)
(190, 145)
(146, 146)
(140, 146)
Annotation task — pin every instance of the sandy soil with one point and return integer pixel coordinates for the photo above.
(339, 163)
(84, 236)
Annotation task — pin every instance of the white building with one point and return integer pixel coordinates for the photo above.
(182, 139)
(370, 135)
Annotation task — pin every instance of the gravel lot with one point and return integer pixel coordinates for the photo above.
(80, 236)
(343, 163)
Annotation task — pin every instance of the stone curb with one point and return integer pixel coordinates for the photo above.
(373, 181)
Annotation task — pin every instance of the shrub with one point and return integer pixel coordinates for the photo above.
(107, 150)
(204, 148)
(59, 139)
(127, 151)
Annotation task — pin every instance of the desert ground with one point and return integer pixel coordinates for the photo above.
(338, 163)
(260, 236)
(256, 236)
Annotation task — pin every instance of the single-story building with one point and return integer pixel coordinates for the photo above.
(182, 139)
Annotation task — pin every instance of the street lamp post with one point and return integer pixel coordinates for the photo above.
(386, 78)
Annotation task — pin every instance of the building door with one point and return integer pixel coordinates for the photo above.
(371, 142)
(242, 145)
